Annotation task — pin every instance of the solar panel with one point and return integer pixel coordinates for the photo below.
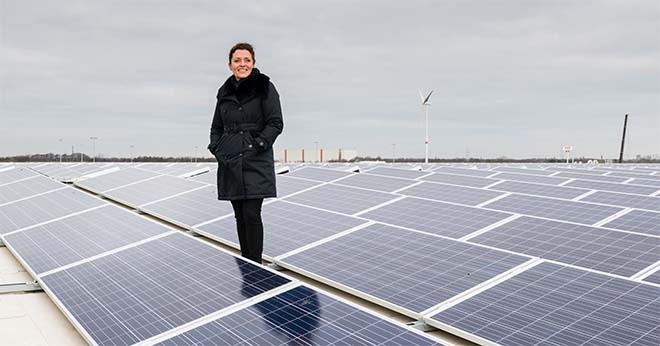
(190, 208)
(609, 251)
(462, 180)
(575, 170)
(300, 316)
(341, 199)
(646, 182)
(439, 218)
(634, 175)
(318, 174)
(115, 179)
(286, 227)
(606, 178)
(397, 172)
(624, 200)
(152, 190)
(210, 177)
(465, 171)
(142, 291)
(539, 189)
(44, 207)
(654, 278)
(81, 236)
(614, 187)
(523, 170)
(551, 304)
(26, 188)
(288, 185)
(376, 182)
(450, 193)
(639, 221)
(407, 271)
(530, 178)
(14, 174)
(554, 209)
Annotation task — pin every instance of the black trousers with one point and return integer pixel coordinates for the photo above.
(250, 228)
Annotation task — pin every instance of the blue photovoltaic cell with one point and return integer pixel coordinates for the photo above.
(551, 304)
(463, 180)
(601, 249)
(81, 236)
(449, 220)
(287, 227)
(450, 193)
(554, 209)
(26, 188)
(191, 208)
(15, 174)
(376, 182)
(639, 221)
(606, 178)
(539, 189)
(300, 316)
(318, 174)
(646, 182)
(398, 172)
(624, 200)
(44, 207)
(152, 190)
(654, 278)
(530, 178)
(140, 292)
(465, 171)
(115, 179)
(411, 270)
(341, 199)
(523, 170)
(614, 187)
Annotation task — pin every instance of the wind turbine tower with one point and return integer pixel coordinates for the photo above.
(425, 106)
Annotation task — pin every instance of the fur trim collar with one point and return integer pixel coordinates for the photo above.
(256, 83)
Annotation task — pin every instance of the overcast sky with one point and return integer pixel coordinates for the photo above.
(511, 78)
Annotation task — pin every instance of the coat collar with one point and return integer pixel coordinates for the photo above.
(256, 84)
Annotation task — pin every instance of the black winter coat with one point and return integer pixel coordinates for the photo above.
(247, 120)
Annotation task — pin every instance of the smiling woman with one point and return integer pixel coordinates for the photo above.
(247, 120)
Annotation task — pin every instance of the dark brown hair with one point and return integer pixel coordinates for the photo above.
(242, 45)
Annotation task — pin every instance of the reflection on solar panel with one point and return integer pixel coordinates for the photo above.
(286, 227)
(376, 182)
(462, 180)
(530, 178)
(318, 174)
(191, 208)
(624, 200)
(75, 238)
(288, 185)
(152, 190)
(341, 199)
(115, 179)
(299, 316)
(44, 207)
(26, 188)
(554, 209)
(613, 252)
(539, 189)
(606, 178)
(646, 182)
(142, 291)
(551, 304)
(15, 174)
(614, 187)
(397, 172)
(464, 171)
(640, 221)
(450, 193)
(523, 170)
(405, 269)
(654, 278)
(439, 218)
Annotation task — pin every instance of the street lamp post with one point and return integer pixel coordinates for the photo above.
(425, 105)
(93, 148)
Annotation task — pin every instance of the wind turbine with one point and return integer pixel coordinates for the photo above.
(425, 106)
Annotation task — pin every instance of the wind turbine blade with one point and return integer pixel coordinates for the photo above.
(427, 98)
(421, 96)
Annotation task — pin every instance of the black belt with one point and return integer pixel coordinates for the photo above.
(234, 128)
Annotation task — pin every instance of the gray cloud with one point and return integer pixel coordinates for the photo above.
(514, 78)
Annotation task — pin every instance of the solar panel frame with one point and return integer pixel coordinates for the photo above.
(14, 174)
(27, 188)
(645, 182)
(653, 278)
(640, 221)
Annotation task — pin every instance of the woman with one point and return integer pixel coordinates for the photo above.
(247, 120)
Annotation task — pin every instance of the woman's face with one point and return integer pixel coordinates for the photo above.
(241, 63)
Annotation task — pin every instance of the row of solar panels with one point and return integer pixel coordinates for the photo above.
(333, 176)
(351, 241)
(124, 279)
